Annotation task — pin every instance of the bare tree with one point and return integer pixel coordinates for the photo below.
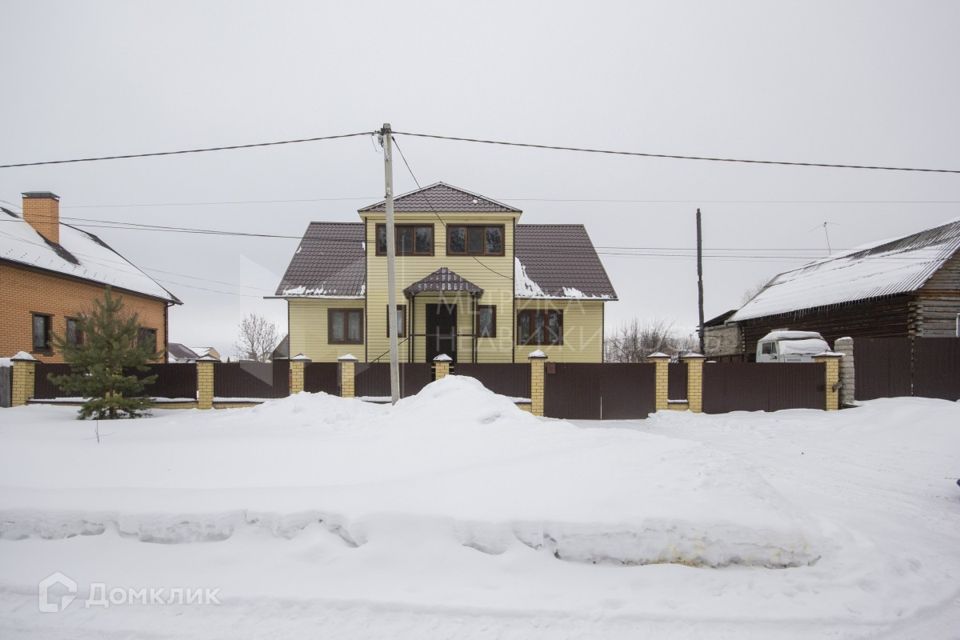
(257, 339)
(636, 339)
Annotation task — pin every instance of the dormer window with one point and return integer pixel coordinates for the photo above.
(475, 240)
(412, 239)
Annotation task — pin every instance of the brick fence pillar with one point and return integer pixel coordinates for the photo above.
(538, 382)
(298, 365)
(348, 371)
(205, 382)
(848, 378)
(442, 365)
(694, 381)
(831, 361)
(662, 362)
(24, 372)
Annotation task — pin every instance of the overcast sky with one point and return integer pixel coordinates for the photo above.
(848, 82)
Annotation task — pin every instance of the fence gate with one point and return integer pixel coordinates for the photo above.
(322, 376)
(607, 391)
(749, 386)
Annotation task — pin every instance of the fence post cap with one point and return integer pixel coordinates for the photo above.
(658, 356)
(300, 358)
(443, 358)
(23, 356)
(537, 355)
(828, 354)
(692, 355)
(347, 358)
(208, 358)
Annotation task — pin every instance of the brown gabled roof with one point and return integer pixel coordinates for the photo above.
(442, 197)
(559, 261)
(442, 280)
(552, 261)
(328, 263)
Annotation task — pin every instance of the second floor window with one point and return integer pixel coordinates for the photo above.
(345, 326)
(540, 326)
(412, 239)
(475, 240)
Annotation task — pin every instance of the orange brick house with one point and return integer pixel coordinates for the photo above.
(50, 272)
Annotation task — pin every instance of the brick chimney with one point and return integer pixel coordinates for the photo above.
(42, 210)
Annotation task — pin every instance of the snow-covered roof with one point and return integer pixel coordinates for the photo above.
(887, 268)
(79, 254)
(786, 334)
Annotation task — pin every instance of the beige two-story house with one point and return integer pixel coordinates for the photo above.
(472, 283)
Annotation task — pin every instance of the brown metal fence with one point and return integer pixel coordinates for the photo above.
(322, 376)
(677, 381)
(173, 380)
(936, 372)
(748, 386)
(609, 391)
(42, 387)
(251, 379)
(373, 379)
(506, 379)
(6, 386)
(882, 367)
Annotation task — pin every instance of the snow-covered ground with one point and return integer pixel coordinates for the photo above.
(456, 515)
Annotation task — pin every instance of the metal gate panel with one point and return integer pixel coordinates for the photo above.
(607, 391)
(750, 386)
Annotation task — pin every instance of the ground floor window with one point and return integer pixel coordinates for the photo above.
(147, 339)
(401, 321)
(540, 326)
(41, 331)
(74, 335)
(487, 321)
(345, 326)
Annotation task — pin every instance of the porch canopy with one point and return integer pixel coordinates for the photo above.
(443, 280)
(440, 282)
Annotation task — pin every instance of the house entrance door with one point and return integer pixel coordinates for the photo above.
(441, 330)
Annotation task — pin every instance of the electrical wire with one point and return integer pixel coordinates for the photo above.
(153, 154)
(435, 213)
(671, 156)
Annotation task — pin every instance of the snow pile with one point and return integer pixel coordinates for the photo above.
(454, 514)
(455, 457)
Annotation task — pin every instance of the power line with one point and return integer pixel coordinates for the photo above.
(152, 154)
(442, 221)
(701, 201)
(528, 145)
(670, 156)
(612, 250)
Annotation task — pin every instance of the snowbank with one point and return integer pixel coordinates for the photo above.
(455, 457)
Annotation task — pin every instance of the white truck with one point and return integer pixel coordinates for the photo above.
(783, 345)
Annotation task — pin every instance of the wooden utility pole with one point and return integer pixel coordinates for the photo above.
(700, 280)
(386, 140)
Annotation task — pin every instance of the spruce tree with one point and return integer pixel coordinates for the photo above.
(104, 362)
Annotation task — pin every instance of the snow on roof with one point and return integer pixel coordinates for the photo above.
(79, 254)
(887, 268)
(786, 334)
